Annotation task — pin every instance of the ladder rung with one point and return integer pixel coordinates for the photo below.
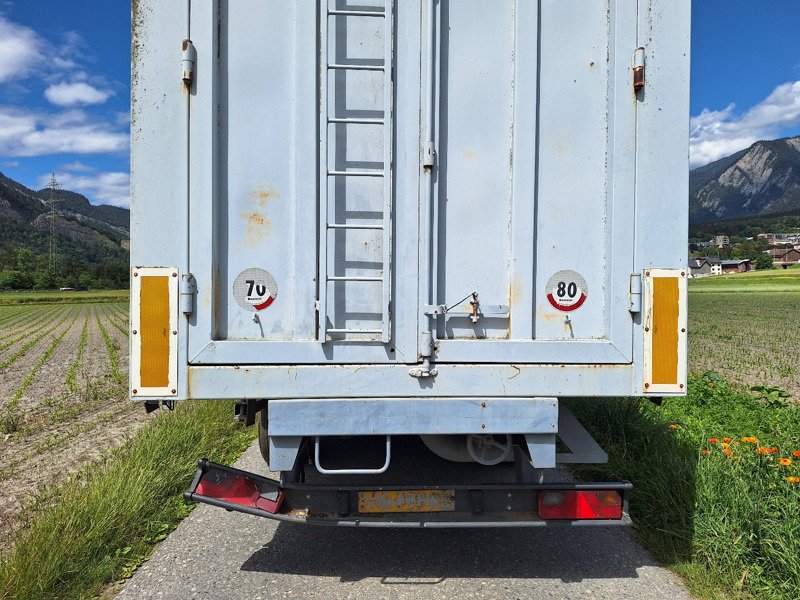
(355, 174)
(353, 278)
(356, 120)
(356, 67)
(356, 13)
(372, 331)
(352, 226)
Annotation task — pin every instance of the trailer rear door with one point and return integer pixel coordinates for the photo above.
(317, 235)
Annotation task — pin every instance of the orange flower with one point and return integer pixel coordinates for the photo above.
(727, 440)
(762, 451)
(725, 445)
(673, 427)
(710, 384)
(712, 440)
(797, 453)
(773, 450)
(793, 479)
(750, 440)
(706, 451)
(785, 461)
(727, 451)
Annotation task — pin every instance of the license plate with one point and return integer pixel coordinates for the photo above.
(407, 501)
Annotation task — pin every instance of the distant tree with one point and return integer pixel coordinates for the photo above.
(15, 280)
(763, 262)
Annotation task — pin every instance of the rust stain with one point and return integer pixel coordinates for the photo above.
(258, 227)
(264, 194)
(470, 154)
(207, 297)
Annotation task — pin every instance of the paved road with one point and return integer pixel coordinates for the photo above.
(216, 554)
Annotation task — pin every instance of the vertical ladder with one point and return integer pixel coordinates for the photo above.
(327, 120)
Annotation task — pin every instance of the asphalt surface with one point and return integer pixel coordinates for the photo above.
(218, 554)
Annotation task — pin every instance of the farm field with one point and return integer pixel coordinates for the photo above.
(746, 327)
(63, 385)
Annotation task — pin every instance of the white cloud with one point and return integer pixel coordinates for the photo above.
(11, 164)
(25, 133)
(716, 134)
(77, 167)
(101, 188)
(21, 49)
(75, 94)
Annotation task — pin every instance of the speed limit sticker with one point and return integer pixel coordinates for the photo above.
(567, 290)
(255, 289)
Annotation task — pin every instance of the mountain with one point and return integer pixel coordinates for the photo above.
(761, 180)
(84, 232)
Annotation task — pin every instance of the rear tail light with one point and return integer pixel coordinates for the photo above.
(239, 489)
(583, 504)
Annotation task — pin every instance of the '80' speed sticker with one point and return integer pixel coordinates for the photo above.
(567, 291)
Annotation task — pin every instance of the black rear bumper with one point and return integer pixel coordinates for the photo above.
(417, 506)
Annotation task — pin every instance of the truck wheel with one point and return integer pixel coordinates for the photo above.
(263, 439)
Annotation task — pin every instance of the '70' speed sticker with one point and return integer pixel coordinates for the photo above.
(567, 291)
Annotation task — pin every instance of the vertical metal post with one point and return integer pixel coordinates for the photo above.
(322, 275)
(427, 330)
(388, 83)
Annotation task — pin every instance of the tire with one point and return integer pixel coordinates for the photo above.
(263, 438)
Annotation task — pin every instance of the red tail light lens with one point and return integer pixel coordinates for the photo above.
(238, 489)
(576, 505)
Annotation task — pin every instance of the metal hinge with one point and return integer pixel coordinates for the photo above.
(635, 291)
(188, 60)
(188, 290)
(638, 69)
(428, 155)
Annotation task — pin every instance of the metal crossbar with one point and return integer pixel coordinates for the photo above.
(327, 16)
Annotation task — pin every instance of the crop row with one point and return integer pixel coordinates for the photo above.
(32, 340)
(31, 326)
(11, 416)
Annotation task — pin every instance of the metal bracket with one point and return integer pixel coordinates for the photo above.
(428, 155)
(635, 291)
(638, 69)
(187, 292)
(188, 60)
(582, 447)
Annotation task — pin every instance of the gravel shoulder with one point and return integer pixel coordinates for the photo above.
(217, 554)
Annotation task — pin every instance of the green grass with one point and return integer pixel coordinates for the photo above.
(729, 526)
(7, 298)
(100, 525)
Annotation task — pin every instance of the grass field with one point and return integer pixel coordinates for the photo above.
(63, 373)
(11, 298)
(746, 328)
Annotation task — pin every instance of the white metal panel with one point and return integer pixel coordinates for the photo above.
(159, 152)
(563, 196)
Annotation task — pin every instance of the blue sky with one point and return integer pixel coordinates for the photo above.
(64, 87)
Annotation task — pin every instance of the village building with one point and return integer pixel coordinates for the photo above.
(703, 266)
(737, 266)
(784, 257)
